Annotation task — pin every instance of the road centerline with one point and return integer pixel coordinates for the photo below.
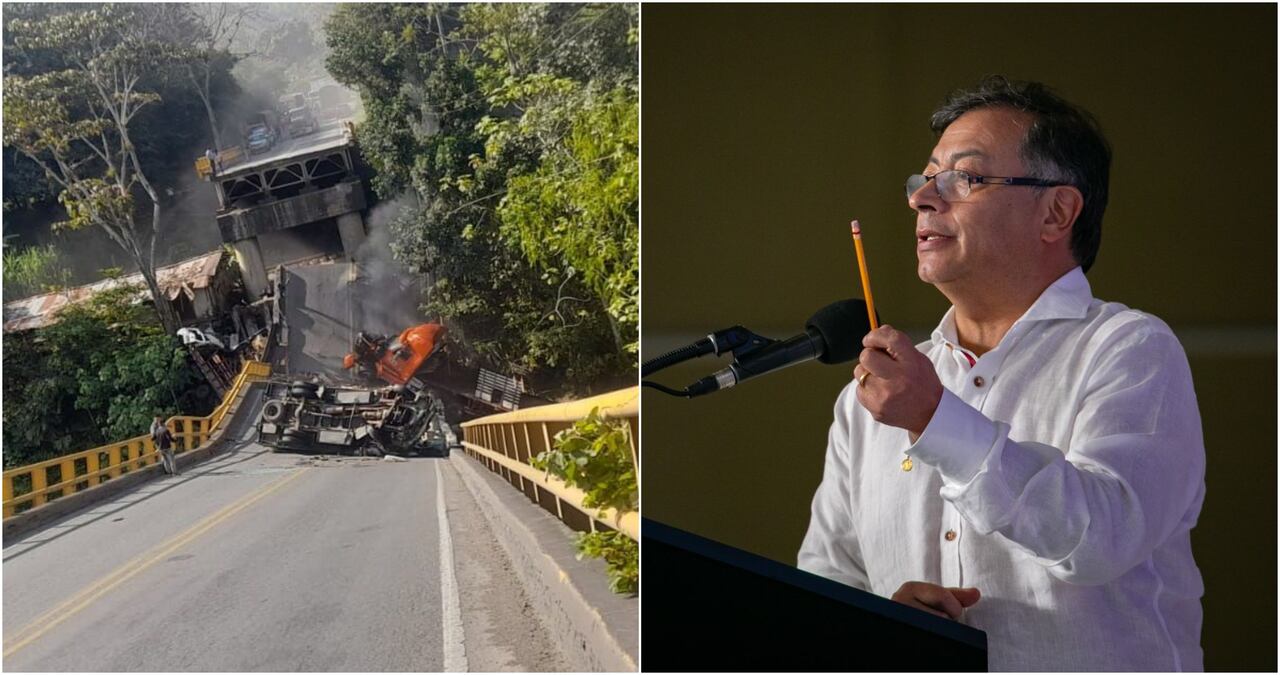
(86, 596)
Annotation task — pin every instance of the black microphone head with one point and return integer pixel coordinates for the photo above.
(841, 325)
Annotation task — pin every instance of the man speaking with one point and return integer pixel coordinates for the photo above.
(1035, 468)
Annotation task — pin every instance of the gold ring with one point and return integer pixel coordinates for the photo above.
(862, 379)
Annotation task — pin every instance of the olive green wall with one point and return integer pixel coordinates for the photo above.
(767, 128)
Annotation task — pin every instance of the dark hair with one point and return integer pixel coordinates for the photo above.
(1064, 144)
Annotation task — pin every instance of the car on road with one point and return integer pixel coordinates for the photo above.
(301, 122)
(260, 139)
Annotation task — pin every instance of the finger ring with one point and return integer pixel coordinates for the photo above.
(862, 379)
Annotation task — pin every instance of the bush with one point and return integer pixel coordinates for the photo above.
(594, 455)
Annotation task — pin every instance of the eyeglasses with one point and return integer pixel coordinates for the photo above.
(954, 185)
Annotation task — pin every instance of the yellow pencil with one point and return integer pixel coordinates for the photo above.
(862, 268)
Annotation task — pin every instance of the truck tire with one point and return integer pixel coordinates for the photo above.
(302, 392)
(273, 411)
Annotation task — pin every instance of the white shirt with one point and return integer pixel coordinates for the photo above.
(1060, 475)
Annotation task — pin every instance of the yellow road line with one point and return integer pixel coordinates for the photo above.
(47, 621)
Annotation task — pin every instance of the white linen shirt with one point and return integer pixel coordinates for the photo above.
(1060, 475)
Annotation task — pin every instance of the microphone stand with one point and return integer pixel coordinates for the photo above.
(737, 340)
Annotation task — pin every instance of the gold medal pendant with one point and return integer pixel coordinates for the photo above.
(906, 464)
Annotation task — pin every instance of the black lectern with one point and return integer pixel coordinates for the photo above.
(706, 606)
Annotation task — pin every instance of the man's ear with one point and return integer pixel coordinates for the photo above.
(1064, 205)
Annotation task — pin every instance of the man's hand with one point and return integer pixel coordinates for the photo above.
(947, 603)
(901, 388)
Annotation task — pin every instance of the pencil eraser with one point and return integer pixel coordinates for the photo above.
(854, 226)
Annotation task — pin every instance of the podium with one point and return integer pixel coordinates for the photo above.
(706, 606)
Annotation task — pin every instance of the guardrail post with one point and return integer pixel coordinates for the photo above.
(8, 495)
(94, 464)
(546, 444)
(39, 481)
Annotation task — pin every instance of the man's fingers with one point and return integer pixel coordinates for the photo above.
(886, 337)
(940, 598)
(876, 362)
(921, 606)
(930, 597)
(967, 597)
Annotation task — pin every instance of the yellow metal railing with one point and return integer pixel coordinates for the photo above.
(27, 487)
(506, 442)
(204, 168)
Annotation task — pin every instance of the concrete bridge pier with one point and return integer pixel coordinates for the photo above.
(300, 201)
(351, 230)
(252, 269)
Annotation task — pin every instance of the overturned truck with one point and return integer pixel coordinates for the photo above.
(396, 414)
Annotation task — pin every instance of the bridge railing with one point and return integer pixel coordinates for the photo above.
(27, 487)
(204, 168)
(506, 442)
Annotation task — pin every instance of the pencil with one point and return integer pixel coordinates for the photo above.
(862, 268)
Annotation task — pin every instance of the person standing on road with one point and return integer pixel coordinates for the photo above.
(163, 439)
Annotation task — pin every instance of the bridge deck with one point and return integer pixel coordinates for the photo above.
(260, 562)
(331, 135)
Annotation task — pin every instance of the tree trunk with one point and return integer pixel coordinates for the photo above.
(164, 310)
(208, 107)
(213, 125)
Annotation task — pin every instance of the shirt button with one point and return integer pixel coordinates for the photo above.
(950, 535)
(978, 381)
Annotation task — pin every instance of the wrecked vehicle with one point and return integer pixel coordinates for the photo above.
(313, 417)
(400, 416)
(417, 350)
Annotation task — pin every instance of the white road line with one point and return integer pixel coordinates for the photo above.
(455, 652)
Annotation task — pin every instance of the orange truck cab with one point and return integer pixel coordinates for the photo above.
(399, 360)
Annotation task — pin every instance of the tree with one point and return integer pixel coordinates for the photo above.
(97, 375)
(75, 123)
(578, 207)
(434, 81)
(214, 27)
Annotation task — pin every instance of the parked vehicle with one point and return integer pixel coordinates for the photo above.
(260, 139)
(301, 122)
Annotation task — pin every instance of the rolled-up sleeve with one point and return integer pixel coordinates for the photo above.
(830, 546)
(1133, 473)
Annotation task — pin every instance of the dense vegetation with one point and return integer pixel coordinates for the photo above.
(515, 128)
(96, 376)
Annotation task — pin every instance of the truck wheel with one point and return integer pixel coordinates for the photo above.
(303, 384)
(302, 392)
(273, 411)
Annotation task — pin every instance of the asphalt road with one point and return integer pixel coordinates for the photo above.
(256, 561)
(330, 134)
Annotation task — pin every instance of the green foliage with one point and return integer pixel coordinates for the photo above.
(510, 125)
(620, 553)
(33, 270)
(98, 375)
(594, 455)
(90, 79)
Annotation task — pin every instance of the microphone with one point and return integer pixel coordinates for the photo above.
(719, 342)
(832, 335)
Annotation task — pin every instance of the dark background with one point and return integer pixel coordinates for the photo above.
(766, 128)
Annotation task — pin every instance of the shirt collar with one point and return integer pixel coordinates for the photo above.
(1067, 298)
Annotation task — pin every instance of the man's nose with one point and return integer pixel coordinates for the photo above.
(926, 198)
